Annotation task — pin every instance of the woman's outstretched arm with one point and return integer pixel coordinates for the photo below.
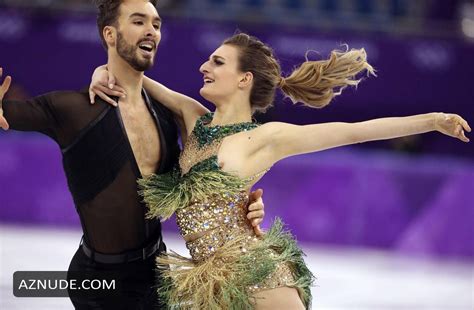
(280, 140)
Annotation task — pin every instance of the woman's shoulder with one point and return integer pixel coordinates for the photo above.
(270, 128)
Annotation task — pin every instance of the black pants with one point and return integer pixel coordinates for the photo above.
(135, 283)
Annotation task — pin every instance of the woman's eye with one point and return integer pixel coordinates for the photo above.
(138, 23)
(156, 27)
(218, 62)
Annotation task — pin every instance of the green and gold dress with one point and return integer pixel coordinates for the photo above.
(228, 263)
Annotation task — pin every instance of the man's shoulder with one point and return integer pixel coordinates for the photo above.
(65, 95)
(71, 98)
(161, 108)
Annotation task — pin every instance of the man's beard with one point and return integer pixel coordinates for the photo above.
(129, 53)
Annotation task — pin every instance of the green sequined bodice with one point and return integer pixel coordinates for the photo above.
(207, 134)
(199, 175)
(200, 152)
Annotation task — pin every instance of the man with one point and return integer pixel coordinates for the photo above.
(106, 149)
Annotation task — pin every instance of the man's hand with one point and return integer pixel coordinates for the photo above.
(103, 85)
(255, 211)
(3, 90)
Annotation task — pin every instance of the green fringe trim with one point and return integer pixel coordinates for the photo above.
(166, 193)
(222, 281)
(259, 264)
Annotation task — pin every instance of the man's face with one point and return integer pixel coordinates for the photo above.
(138, 33)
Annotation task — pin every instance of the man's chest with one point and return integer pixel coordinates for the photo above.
(143, 136)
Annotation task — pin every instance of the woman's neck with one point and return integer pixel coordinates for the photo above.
(232, 112)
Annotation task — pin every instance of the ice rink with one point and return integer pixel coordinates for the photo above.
(347, 279)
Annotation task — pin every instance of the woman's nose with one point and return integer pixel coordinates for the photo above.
(203, 69)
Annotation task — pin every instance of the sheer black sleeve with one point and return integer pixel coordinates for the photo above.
(99, 163)
(60, 115)
(37, 114)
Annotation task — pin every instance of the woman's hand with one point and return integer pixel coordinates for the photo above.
(103, 85)
(452, 125)
(3, 90)
(255, 212)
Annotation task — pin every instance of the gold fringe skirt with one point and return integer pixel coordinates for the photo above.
(228, 278)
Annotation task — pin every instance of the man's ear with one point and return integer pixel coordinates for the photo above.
(110, 35)
(246, 80)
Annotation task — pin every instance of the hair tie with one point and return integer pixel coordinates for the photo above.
(281, 82)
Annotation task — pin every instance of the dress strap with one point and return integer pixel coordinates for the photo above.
(252, 179)
(207, 134)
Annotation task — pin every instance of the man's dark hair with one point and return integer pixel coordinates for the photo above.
(108, 15)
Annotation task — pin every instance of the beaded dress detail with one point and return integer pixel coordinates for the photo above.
(228, 261)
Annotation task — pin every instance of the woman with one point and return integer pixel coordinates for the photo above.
(225, 154)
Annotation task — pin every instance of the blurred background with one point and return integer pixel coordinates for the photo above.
(386, 225)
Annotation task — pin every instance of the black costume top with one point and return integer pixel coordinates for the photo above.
(98, 160)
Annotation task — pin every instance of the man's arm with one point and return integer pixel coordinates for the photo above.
(3, 90)
(36, 114)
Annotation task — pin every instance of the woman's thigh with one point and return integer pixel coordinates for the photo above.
(281, 298)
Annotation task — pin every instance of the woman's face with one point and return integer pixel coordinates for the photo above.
(221, 74)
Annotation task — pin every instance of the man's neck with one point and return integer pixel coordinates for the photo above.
(126, 77)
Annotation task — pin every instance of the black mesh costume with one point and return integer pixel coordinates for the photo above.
(100, 167)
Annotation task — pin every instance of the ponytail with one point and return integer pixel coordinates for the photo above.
(316, 83)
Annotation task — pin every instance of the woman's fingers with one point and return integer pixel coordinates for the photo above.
(465, 125)
(460, 133)
(111, 80)
(91, 96)
(110, 92)
(120, 89)
(457, 130)
(454, 125)
(105, 93)
(106, 98)
(463, 137)
(459, 127)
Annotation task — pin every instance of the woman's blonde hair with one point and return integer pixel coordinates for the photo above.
(314, 83)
